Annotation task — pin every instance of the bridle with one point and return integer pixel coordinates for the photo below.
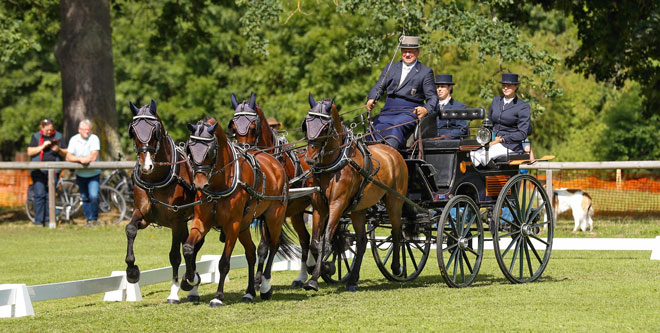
(135, 134)
(317, 117)
(211, 152)
(244, 117)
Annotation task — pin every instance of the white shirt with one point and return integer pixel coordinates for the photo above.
(405, 69)
(444, 102)
(507, 101)
(81, 147)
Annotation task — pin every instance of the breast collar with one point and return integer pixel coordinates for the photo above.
(342, 159)
(213, 195)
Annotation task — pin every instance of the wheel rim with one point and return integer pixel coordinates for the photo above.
(522, 246)
(112, 204)
(343, 261)
(414, 249)
(460, 242)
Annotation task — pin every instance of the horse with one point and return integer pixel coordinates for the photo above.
(251, 129)
(351, 177)
(163, 192)
(235, 187)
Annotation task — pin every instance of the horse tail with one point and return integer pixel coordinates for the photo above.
(288, 247)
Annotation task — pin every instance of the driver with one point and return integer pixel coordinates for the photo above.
(410, 92)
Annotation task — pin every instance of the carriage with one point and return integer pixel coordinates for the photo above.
(457, 209)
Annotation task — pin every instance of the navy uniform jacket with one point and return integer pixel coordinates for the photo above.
(513, 123)
(419, 85)
(453, 128)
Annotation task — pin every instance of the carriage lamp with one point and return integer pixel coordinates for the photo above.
(484, 135)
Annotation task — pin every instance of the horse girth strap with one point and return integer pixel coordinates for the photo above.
(366, 172)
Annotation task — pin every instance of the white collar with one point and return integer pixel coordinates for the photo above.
(409, 67)
(508, 100)
(445, 101)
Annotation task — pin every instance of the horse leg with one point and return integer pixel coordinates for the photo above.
(132, 270)
(197, 233)
(193, 294)
(394, 206)
(246, 239)
(262, 253)
(358, 221)
(274, 221)
(223, 266)
(178, 236)
(316, 250)
(298, 223)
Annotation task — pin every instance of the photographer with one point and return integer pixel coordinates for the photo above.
(45, 145)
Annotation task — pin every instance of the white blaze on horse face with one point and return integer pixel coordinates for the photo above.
(148, 165)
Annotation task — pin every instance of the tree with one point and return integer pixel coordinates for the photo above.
(84, 53)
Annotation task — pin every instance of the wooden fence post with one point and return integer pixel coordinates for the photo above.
(52, 223)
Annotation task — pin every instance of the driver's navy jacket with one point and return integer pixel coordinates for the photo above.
(512, 122)
(418, 87)
(453, 128)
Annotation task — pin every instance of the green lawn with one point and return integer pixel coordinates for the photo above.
(580, 290)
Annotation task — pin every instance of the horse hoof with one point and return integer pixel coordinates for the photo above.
(351, 288)
(193, 298)
(311, 285)
(297, 284)
(247, 299)
(172, 301)
(185, 286)
(216, 303)
(266, 296)
(133, 274)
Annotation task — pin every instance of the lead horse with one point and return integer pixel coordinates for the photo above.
(251, 129)
(162, 189)
(347, 172)
(234, 187)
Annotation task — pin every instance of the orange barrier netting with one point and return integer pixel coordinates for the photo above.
(14, 187)
(628, 192)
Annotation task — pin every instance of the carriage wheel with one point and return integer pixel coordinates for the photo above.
(460, 242)
(338, 264)
(413, 250)
(522, 246)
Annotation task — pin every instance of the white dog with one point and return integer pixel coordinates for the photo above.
(579, 202)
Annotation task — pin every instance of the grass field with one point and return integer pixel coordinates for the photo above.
(580, 290)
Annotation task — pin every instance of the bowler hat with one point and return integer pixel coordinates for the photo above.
(444, 79)
(273, 122)
(509, 78)
(410, 42)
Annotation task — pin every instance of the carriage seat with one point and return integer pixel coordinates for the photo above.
(428, 125)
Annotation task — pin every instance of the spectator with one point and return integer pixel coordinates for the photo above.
(45, 145)
(84, 148)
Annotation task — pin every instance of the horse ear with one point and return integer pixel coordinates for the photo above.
(192, 127)
(234, 103)
(253, 101)
(211, 129)
(133, 108)
(312, 102)
(152, 106)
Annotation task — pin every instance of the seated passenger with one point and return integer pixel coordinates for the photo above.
(451, 128)
(511, 123)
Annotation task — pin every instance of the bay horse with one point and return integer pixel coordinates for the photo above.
(251, 129)
(163, 191)
(346, 170)
(235, 187)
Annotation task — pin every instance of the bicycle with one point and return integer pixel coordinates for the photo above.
(68, 202)
(123, 183)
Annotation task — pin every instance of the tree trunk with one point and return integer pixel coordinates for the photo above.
(84, 54)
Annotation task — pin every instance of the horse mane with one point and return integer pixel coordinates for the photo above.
(266, 132)
(337, 120)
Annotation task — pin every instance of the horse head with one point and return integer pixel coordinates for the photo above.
(321, 126)
(202, 148)
(249, 124)
(147, 131)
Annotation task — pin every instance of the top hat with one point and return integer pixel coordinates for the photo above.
(410, 42)
(444, 79)
(509, 78)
